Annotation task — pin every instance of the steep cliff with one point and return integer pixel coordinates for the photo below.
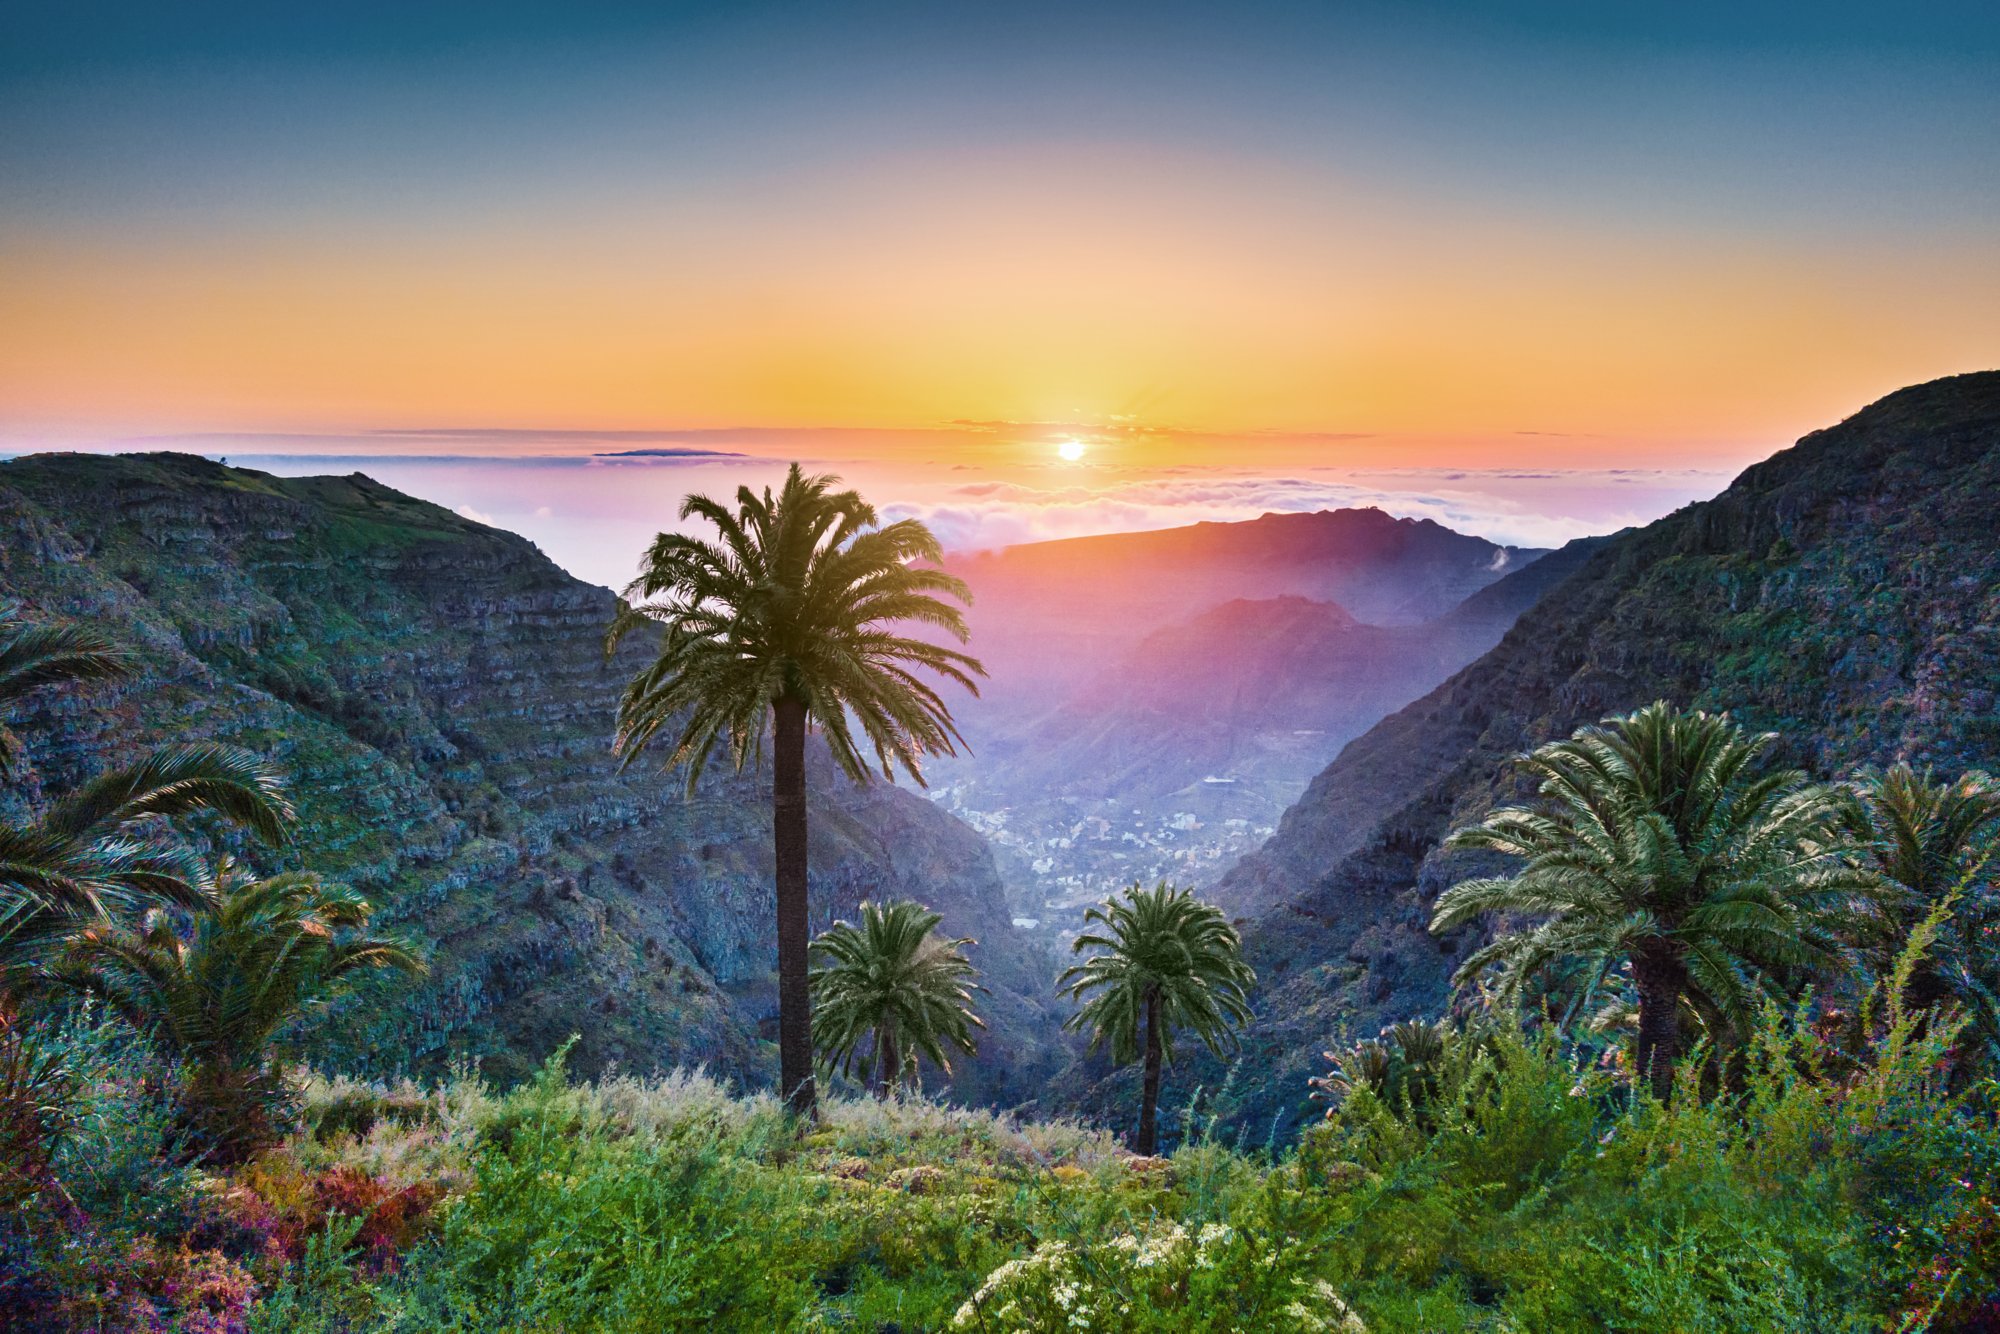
(436, 689)
(1845, 593)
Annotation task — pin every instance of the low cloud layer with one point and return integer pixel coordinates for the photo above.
(1534, 509)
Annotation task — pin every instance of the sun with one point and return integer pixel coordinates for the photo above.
(1070, 451)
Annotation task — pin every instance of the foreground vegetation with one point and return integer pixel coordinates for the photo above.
(1522, 1183)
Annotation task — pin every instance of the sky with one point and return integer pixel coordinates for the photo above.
(1538, 269)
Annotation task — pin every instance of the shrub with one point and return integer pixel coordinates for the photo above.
(1169, 1277)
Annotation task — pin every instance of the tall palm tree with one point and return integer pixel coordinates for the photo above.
(35, 654)
(788, 621)
(1165, 961)
(1662, 839)
(217, 992)
(1929, 839)
(895, 978)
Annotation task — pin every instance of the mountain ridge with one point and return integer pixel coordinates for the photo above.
(1844, 593)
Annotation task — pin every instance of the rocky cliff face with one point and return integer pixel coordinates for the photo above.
(1845, 593)
(437, 690)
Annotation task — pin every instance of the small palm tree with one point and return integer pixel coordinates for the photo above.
(101, 848)
(1661, 839)
(1165, 961)
(787, 622)
(217, 992)
(1925, 835)
(1931, 839)
(1407, 1069)
(34, 654)
(895, 978)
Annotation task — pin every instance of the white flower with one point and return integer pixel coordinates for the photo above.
(1334, 1316)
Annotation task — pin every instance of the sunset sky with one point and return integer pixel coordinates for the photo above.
(1397, 248)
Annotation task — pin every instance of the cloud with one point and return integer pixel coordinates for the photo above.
(477, 516)
(1510, 507)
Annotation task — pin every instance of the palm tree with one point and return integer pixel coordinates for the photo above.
(788, 621)
(34, 654)
(1925, 836)
(1407, 1069)
(894, 977)
(1662, 840)
(100, 848)
(1929, 840)
(1166, 961)
(95, 851)
(217, 992)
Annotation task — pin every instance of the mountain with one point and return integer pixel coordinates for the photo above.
(1845, 593)
(1128, 670)
(438, 692)
(1263, 690)
(1198, 739)
(1052, 615)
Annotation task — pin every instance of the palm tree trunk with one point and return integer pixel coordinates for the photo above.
(1661, 977)
(788, 833)
(1149, 1092)
(888, 1060)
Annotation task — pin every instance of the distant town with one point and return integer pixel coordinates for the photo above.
(1061, 855)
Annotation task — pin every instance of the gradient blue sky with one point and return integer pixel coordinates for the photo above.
(1255, 239)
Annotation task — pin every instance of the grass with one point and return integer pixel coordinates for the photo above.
(1832, 1191)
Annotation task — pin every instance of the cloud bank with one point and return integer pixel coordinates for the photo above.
(1517, 508)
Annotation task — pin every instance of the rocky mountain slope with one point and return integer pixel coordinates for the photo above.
(1157, 699)
(1052, 615)
(1262, 692)
(437, 690)
(1845, 593)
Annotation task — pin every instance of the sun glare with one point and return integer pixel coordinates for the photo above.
(1070, 451)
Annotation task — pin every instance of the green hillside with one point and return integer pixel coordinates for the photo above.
(1845, 593)
(437, 692)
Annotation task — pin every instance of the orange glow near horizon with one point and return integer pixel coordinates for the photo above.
(1151, 305)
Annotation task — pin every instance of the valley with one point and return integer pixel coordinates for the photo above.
(1158, 699)
(442, 688)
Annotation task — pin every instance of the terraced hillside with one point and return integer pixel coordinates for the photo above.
(1845, 593)
(437, 690)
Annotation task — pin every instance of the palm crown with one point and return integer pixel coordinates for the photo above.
(892, 976)
(99, 848)
(1923, 834)
(794, 601)
(1933, 840)
(1661, 838)
(1165, 961)
(217, 993)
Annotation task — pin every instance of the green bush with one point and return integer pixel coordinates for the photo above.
(1534, 1190)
